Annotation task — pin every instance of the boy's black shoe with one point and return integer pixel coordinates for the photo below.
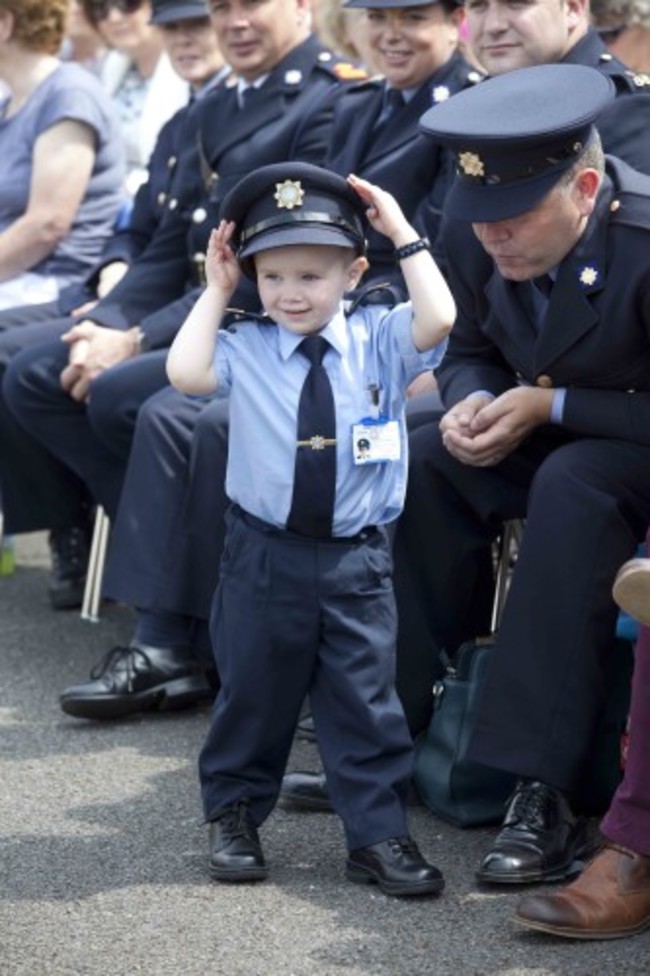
(396, 866)
(235, 849)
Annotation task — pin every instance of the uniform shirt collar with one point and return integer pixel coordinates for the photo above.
(335, 332)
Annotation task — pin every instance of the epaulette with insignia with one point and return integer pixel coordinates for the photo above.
(340, 69)
(625, 79)
(346, 71)
(640, 79)
(631, 200)
(630, 209)
(233, 317)
(371, 83)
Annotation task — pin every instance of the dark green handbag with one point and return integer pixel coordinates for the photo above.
(462, 792)
(468, 794)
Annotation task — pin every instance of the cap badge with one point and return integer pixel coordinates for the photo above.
(471, 164)
(440, 93)
(589, 276)
(289, 194)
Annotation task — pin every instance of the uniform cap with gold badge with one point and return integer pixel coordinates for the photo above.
(171, 11)
(514, 136)
(293, 203)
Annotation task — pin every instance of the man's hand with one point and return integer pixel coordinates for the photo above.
(93, 349)
(482, 431)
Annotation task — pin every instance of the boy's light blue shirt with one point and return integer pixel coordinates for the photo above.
(260, 367)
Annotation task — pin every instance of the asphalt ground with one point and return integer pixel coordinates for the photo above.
(103, 853)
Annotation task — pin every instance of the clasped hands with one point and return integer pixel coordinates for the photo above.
(93, 349)
(482, 430)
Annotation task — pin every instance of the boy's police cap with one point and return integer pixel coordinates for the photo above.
(293, 203)
(171, 11)
(514, 136)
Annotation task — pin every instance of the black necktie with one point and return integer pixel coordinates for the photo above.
(392, 103)
(314, 485)
(535, 295)
(246, 96)
(544, 283)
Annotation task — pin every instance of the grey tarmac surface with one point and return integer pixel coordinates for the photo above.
(103, 854)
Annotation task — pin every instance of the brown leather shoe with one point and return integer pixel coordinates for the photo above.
(631, 589)
(610, 899)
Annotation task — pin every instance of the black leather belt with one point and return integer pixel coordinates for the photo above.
(367, 533)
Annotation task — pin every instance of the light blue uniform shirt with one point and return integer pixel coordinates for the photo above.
(260, 367)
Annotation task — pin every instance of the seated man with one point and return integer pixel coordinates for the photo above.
(546, 386)
(611, 899)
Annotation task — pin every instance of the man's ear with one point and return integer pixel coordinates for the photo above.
(587, 184)
(576, 13)
(356, 270)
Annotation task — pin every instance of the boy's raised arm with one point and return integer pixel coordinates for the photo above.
(434, 309)
(190, 363)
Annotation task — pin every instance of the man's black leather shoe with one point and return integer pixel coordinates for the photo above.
(305, 791)
(69, 551)
(138, 678)
(235, 849)
(396, 866)
(541, 839)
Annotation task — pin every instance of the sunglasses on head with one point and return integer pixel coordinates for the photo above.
(102, 8)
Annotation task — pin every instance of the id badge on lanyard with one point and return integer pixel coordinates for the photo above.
(375, 438)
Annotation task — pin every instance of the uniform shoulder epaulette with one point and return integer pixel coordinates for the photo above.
(376, 293)
(631, 209)
(630, 203)
(369, 83)
(624, 78)
(234, 317)
(640, 79)
(341, 69)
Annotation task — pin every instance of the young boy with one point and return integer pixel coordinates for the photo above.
(305, 602)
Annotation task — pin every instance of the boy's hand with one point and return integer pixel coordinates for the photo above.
(221, 268)
(384, 212)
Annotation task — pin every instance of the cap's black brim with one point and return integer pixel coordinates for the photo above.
(478, 203)
(298, 234)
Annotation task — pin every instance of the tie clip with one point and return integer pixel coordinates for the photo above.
(318, 443)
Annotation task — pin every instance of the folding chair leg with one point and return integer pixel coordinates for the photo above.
(98, 547)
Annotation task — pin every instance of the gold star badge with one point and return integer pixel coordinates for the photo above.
(289, 194)
(588, 276)
(471, 164)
